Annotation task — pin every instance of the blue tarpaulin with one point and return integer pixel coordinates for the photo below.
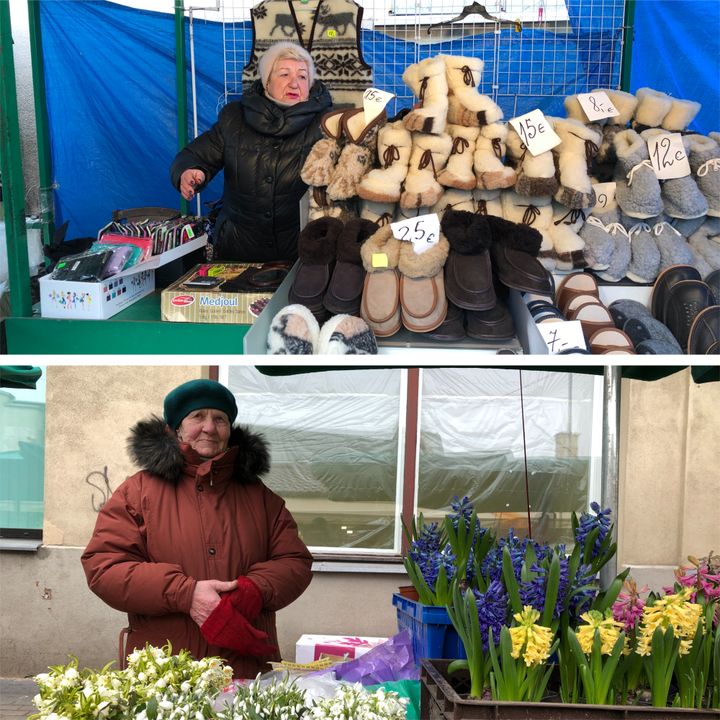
(110, 79)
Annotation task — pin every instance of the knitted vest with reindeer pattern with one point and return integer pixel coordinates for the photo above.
(328, 29)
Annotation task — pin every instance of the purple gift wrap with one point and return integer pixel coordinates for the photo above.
(393, 660)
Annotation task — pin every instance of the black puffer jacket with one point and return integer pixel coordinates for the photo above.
(262, 147)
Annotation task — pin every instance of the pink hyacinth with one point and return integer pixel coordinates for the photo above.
(628, 608)
(702, 575)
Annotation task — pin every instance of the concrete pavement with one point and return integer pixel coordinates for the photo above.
(16, 696)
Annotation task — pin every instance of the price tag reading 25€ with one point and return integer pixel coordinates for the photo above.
(422, 231)
(536, 132)
(374, 102)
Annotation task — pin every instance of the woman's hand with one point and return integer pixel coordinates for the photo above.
(206, 597)
(190, 180)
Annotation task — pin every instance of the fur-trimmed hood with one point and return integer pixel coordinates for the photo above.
(155, 449)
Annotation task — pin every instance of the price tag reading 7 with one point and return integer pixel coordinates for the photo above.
(536, 132)
(423, 231)
(374, 102)
(667, 156)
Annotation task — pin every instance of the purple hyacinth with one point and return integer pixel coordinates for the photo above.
(492, 564)
(492, 606)
(425, 552)
(588, 522)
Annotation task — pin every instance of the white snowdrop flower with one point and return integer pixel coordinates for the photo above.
(165, 705)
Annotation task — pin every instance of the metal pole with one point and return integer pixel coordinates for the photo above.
(610, 457)
(180, 70)
(12, 175)
(628, 34)
(41, 124)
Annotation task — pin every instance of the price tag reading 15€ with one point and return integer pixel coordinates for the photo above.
(374, 102)
(422, 231)
(536, 132)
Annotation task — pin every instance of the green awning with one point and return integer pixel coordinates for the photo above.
(23, 377)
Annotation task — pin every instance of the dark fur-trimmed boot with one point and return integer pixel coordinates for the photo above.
(428, 82)
(535, 173)
(535, 212)
(320, 163)
(574, 155)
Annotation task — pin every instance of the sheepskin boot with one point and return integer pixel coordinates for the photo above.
(620, 257)
(384, 184)
(651, 109)
(356, 158)
(458, 173)
(380, 213)
(637, 188)
(680, 115)
(604, 164)
(319, 165)
(490, 147)
(574, 155)
(599, 243)
(568, 245)
(705, 241)
(535, 212)
(466, 106)
(674, 248)
(456, 200)
(321, 206)
(645, 256)
(428, 82)
(681, 196)
(704, 159)
(487, 202)
(429, 155)
(535, 173)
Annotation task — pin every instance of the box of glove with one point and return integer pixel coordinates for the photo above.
(223, 292)
(311, 647)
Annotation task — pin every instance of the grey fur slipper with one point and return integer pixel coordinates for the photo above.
(653, 346)
(708, 249)
(599, 244)
(674, 248)
(704, 159)
(621, 255)
(637, 188)
(648, 328)
(645, 263)
(623, 310)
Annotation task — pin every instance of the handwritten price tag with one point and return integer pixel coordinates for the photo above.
(667, 156)
(604, 194)
(536, 132)
(423, 231)
(374, 102)
(562, 335)
(597, 105)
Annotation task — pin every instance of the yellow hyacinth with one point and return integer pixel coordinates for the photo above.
(608, 627)
(670, 611)
(531, 640)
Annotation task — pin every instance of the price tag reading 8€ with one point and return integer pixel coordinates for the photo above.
(422, 231)
(536, 132)
(597, 105)
(667, 156)
(374, 102)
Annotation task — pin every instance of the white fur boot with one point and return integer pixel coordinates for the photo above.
(680, 115)
(427, 81)
(651, 109)
(579, 145)
(490, 147)
(429, 155)
(535, 173)
(466, 106)
(535, 212)
(458, 172)
(453, 199)
(487, 202)
(384, 183)
(320, 163)
(568, 245)
(380, 213)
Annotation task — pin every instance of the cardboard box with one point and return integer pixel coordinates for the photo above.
(66, 299)
(181, 303)
(309, 647)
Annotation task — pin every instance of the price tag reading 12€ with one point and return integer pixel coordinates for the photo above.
(536, 132)
(597, 105)
(374, 102)
(422, 231)
(667, 156)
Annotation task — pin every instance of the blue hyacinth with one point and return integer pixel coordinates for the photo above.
(492, 607)
(588, 522)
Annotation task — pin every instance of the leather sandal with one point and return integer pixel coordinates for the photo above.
(610, 340)
(577, 283)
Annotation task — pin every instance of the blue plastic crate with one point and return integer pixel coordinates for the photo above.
(432, 632)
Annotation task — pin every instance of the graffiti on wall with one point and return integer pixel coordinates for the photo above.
(99, 480)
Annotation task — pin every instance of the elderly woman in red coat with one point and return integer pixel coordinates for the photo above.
(194, 547)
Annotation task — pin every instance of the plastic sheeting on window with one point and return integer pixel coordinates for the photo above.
(472, 443)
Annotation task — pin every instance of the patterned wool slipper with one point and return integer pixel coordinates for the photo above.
(293, 331)
(346, 335)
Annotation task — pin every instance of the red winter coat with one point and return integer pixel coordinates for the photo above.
(184, 519)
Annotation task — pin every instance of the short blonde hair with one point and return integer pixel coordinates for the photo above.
(280, 51)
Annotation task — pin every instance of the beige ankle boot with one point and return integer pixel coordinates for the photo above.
(466, 106)
(579, 145)
(490, 172)
(429, 155)
(535, 173)
(458, 172)
(320, 163)
(384, 184)
(427, 81)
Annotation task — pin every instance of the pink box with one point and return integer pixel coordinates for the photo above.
(309, 647)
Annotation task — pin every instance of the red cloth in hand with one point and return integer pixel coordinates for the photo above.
(247, 598)
(228, 628)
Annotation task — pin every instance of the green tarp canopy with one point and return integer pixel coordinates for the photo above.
(23, 377)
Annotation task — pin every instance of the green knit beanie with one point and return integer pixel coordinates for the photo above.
(196, 394)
